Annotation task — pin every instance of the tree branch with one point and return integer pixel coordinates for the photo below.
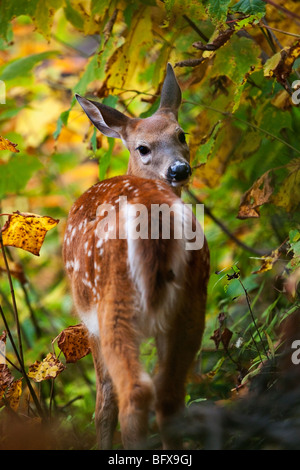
(224, 228)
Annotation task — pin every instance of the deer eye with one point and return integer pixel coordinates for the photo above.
(143, 149)
(181, 137)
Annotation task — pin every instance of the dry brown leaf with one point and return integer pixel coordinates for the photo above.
(74, 342)
(216, 42)
(27, 231)
(2, 349)
(259, 194)
(6, 144)
(3, 337)
(49, 368)
(291, 285)
(6, 379)
(222, 336)
(281, 64)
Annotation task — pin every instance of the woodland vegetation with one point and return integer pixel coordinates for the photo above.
(238, 64)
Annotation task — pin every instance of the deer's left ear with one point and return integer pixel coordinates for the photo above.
(108, 120)
(171, 93)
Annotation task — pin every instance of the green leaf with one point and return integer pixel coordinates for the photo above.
(204, 150)
(250, 7)
(44, 14)
(41, 12)
(16, 173)
(94, 140)
(236, 58)
(270, 344)
(10, 9)
(273, 120)
(217, 10)
(63, 119)
(73, 16)
(21, 67)
(294, 236)
(104, 158)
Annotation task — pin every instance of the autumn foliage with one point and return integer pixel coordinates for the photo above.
(238, 66)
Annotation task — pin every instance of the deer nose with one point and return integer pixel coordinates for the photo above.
(179, 171)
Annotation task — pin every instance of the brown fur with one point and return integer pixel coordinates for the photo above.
(131, 289)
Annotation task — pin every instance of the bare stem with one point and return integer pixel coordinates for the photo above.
(254, 322)
(247, 123)
(21, 363)
(13, 298)
(224, 228)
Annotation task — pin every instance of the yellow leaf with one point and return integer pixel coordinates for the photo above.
(44, 14)
(45, 112)
(280, 65)
(268, 262)
(10, 389)
(49, 368)
(126, 58)
(6, 144)
(288, 195)
(14, 393)
(27, 231)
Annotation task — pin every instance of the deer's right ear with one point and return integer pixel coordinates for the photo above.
(108, 120)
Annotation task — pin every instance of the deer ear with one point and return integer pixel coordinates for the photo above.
(171, 93)
(108, 120)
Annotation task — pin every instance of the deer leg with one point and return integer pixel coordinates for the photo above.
(106, 412)
(176, 351)
(133, 386)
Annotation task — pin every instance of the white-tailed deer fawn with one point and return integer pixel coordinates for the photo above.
(127, 287)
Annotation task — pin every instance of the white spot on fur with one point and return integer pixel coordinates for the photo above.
(87, 283)
(76, 265)
(99, 243)
(90, 319)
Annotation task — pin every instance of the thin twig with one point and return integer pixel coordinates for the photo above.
(272, 34)
(224, 228)
(281, 31)
(10, 362)
(254, 321)
(34, 321)
(21, 363)
(247, 123)
(13, 297)
(289, 13)
(195, 28)
(79, 397)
